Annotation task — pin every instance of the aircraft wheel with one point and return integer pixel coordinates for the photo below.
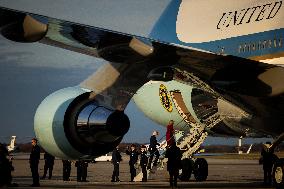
(278, 174)
(187, 166)
(200, 169)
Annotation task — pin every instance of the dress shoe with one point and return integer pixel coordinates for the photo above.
(35, 185)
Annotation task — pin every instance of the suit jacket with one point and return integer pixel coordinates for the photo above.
(133, 156)
(153, 143)
(35, 155)
(174, 158)
(49, 159)
(143, 158)
(116, 157)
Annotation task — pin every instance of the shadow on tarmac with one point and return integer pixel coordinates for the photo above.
(192, 185)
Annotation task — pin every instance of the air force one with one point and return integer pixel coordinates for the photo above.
(213, 66)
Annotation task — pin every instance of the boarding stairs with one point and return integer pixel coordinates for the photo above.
(189, 143)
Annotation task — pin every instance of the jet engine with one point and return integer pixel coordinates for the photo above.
(71, 125)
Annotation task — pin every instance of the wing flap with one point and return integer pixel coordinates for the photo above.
(20, 27)
(93, 41)
(98, 13)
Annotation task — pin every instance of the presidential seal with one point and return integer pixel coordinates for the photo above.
(165, 98)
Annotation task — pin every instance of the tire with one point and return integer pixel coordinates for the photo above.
(187, 167)
(200, 169)
(278, 174)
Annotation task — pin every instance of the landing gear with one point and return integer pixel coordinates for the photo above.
(187, 167)
(200, 169)
(278, 173)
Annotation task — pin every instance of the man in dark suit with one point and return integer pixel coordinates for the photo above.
(34, 160)
(153, 150)
(116, 159)
(66, 169)
(48, 165)
(132, 161)
(269, 159)
(79, 170)
(5, 168)
(82, 166)
(144, 162)
(174, 163)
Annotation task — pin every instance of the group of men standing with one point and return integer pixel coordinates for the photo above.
(81, 166)
(173, 154)
(133, 153)
(133, 160)
(145, 161)
(48, 166)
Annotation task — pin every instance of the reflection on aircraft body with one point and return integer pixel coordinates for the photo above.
(207, 74)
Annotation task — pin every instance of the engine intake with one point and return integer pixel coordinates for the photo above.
(71, 126)
(94, 129)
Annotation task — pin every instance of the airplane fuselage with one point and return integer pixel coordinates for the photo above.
(191, 107)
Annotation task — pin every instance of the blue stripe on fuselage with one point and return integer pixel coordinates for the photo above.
(252, 45)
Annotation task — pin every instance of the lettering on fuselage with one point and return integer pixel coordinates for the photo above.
(277, 42)
(165, 98)
(247, 15)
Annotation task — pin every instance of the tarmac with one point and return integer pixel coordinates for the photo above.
(223, 173)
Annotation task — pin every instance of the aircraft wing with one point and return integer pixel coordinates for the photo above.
(122, 47)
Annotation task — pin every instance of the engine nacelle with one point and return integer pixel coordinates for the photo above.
(71, 126)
